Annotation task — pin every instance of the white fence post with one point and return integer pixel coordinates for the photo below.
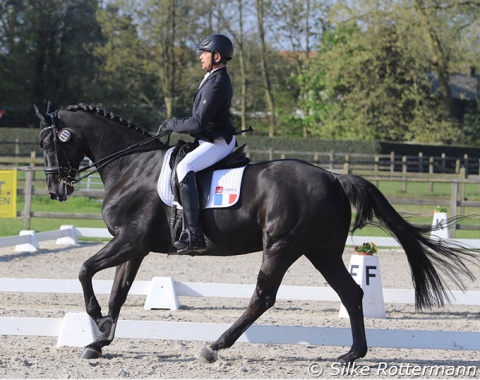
(32, 246)
(77, 330)
(162, 294)
(68, 240)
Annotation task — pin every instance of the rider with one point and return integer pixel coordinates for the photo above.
(212, 127)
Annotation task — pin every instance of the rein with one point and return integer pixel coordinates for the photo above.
(106, 160)
(72, 176)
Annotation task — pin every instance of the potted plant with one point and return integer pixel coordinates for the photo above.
(440, 209)
(366, 249)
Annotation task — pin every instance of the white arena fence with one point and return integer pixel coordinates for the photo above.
(28, 240)
(77, 329)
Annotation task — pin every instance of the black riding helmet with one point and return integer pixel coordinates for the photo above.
(218, 43)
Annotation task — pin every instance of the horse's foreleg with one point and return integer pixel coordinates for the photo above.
(268, 282)
(351, 295)
(124, 277)
(113, 254)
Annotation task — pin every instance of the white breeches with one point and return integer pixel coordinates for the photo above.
(205, 155)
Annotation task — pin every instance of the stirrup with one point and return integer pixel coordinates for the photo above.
(191, 241)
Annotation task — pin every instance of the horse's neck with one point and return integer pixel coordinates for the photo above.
(104, 138)
(113, 168)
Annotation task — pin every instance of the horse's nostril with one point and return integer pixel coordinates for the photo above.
(53, 196)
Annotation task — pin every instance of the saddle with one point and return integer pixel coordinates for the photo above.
(236, 159)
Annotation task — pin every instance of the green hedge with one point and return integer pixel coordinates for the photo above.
(29, 141)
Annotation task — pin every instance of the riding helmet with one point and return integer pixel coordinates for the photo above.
(218, 43)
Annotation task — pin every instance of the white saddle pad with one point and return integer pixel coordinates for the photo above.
(224, 189)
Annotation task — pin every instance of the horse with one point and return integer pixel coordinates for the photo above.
(287, 208)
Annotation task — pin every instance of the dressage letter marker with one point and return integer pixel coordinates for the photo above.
(365, 270)
(440, 223)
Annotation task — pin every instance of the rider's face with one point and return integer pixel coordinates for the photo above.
(206, 59)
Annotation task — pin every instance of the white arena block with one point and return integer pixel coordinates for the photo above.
(162, 294)
(32, 246)
(365, 270)
(78, 330)
(68, 240)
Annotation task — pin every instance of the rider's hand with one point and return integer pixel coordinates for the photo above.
(165, 127)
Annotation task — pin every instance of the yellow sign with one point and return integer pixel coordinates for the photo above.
(8, 193)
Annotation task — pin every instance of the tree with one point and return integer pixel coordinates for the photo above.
(299, 25)
(45, 51)
(372, 77)
(146, 60)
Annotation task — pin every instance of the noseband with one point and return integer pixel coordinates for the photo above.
(68, 174)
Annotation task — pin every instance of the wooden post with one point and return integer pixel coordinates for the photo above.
(431, 170)
(28, 191)
(404, 172)
(17, 147)
(420, 162)
(453, 208)
(465, 156)
(392, 162)
(463, 176)
(28, 198)
(270, 154)
(331, 158)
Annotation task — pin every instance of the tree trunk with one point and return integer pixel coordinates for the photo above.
(243, 74)
(264, 70)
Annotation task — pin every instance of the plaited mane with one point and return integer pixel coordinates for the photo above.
(109, 116)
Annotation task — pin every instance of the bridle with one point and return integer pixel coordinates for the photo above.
(68, 174)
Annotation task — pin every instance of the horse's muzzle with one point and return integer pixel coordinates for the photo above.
(61, 192)
(57, 197)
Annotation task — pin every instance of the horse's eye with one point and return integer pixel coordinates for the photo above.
(47, 144)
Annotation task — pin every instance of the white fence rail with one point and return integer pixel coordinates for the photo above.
(164, 292)
(77, 329)
(28, 240)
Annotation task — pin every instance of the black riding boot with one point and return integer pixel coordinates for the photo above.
(191, 239)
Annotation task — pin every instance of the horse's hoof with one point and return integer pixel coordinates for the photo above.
(208, 355)
(349, 357)
(91, 353)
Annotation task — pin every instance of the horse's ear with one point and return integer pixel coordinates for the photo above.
(40, 114)
(50, 108)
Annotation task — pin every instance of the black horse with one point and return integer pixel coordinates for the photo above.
(287, 208)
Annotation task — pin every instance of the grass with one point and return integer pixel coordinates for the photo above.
(416, 214)
(12, 226)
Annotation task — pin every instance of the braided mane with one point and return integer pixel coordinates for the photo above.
(109, 116)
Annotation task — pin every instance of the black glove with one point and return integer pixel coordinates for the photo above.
(164, 127)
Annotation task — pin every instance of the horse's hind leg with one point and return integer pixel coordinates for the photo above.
(351, 295)
(268, 281)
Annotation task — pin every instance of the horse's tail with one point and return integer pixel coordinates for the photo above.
(423, 253)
